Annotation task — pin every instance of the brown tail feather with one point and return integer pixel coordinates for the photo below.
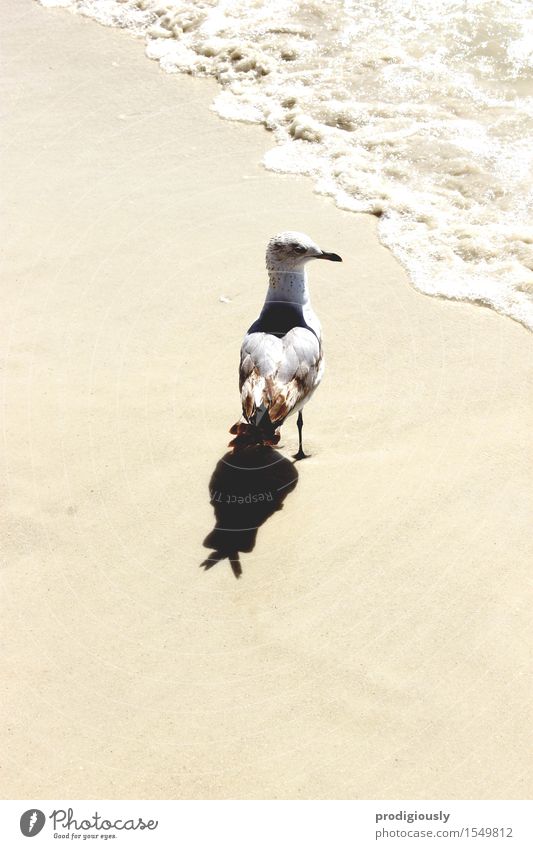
(247, 434)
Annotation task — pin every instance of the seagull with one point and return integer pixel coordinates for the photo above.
(282, 361)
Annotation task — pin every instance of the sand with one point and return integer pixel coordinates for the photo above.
(376, 644)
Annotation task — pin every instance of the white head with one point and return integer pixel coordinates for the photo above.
(290, 251)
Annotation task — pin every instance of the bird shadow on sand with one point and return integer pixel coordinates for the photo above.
(245, 490)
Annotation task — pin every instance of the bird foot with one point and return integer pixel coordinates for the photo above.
(301, 455)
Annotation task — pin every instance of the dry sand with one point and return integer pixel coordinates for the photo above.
(376, 645)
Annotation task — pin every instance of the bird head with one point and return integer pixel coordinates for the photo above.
(290, 251)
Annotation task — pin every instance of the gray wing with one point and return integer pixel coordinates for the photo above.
(280, 373)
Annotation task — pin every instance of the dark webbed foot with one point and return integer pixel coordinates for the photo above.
(300, 455)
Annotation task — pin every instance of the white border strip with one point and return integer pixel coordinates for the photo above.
(270, 824)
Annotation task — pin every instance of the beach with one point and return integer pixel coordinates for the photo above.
(378, 640)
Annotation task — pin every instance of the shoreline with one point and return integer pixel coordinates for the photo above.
(474, 267)
(376, 643)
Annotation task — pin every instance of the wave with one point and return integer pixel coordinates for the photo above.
(420, 113)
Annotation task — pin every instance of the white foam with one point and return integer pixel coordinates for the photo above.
(420, 113)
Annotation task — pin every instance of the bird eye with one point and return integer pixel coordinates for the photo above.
(299, 249)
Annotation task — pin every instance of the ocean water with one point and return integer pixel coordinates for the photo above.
(418, 111)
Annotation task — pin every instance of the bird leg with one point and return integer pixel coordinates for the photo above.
(300, 423)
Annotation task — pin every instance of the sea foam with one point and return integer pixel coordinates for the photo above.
(420, 113)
